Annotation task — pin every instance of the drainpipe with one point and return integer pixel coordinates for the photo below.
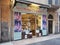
(0, 22)
(1, 25)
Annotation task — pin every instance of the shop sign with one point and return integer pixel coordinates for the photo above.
(17, 25)
(44, 25)
(44, 22)
(27, 9)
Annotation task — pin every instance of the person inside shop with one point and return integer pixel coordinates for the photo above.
(40, 31)
(26, 30)
(23, 33)
(37, 30)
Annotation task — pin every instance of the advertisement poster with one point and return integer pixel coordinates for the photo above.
(17, 25)
(44, 25)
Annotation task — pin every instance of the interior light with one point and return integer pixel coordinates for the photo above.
(34, 4)
(34, 7)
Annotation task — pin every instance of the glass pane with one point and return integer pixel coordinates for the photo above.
(56, 2)
(49, 1)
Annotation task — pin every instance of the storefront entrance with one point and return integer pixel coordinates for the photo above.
(29, 23)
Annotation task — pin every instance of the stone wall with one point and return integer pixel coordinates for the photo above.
(55, 20)
(6, 14)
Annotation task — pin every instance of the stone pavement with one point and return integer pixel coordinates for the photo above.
(7, 43)
(55, 41)
(33, 40)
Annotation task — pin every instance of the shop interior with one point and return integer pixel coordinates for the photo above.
(31, 22)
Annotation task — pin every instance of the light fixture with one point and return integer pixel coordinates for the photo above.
(12, 2)
(32, 4)
(34, 7)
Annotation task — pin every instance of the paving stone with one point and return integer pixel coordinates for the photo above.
(55, 41)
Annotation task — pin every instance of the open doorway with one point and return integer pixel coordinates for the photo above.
(50, 24)
(28, 22)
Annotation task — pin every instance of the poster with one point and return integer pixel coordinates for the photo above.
(44, 25)
(17, 25)
(44, 22)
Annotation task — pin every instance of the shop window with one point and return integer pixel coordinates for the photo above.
(49, 1)
(56, 2)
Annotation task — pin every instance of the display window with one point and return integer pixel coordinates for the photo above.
(31, 22)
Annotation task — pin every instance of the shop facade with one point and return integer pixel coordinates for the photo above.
(22, 17)
(31, 21)
(27, 21)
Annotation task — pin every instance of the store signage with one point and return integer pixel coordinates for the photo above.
(17, 25)
(44, 25)
(44, 22)
(17, 22)
(33, 8)
(28, 9)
